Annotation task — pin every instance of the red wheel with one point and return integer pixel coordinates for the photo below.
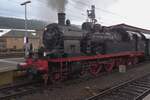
(83, 73)
(109, 67)
(129, 62)
(132, 61)
(135, 61)
(95, 69)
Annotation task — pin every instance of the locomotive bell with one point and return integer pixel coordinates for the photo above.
(61, 18)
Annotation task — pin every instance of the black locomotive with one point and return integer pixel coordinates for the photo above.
(71, 50)
(91, 39)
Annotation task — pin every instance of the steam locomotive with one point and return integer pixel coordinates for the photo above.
(91, 39)
(70, 51)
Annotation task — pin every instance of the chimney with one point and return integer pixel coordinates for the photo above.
(61, 18)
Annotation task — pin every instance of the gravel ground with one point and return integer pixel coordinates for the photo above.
(76, 90)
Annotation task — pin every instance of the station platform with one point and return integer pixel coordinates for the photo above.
(7, 69)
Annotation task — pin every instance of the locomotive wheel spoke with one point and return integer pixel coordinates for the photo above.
(109, 67)
(83, 73)
(95, 69)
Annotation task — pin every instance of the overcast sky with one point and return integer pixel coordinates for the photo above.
(108, 12)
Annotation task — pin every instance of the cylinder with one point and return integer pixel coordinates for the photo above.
(61, 18)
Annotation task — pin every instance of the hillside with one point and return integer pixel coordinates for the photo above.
(6, 22)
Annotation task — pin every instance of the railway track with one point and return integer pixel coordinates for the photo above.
(17, 90)
(25, 88)
(135, 89)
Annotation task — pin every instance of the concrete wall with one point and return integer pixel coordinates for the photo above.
(14, 43)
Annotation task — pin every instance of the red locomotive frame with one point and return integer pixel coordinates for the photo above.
(91, 64)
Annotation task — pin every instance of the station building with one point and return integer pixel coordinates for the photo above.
(14, 39)
(130, 28)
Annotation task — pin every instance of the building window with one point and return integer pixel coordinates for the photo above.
(2, 46)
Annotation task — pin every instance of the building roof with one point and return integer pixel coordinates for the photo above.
(17, 33)
(129, 27)
(144, 32)
(4, 31)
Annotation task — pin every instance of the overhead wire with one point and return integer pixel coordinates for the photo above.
(85, 4)
(75, 8)
(44, 2)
